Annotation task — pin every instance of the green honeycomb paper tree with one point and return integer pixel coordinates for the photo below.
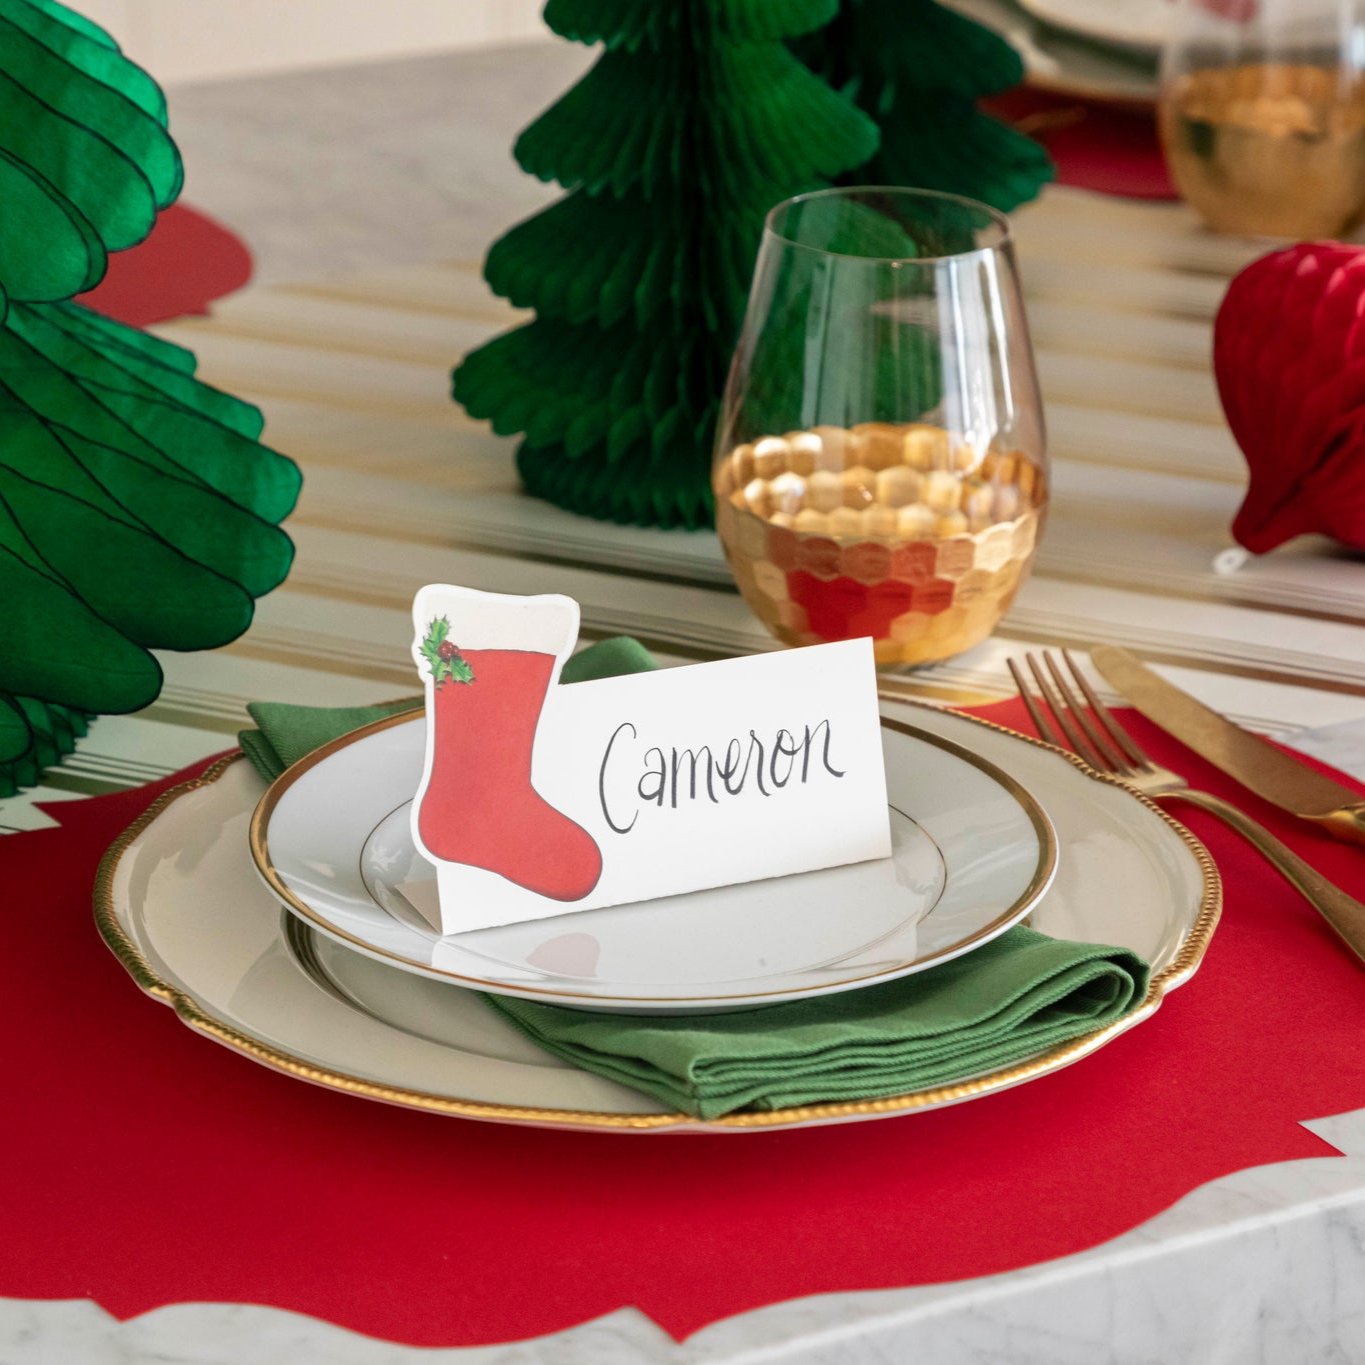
(696, 119)
(918, 69)
(138, 509)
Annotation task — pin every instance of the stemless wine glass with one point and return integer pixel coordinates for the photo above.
(1262, 114)
(880, 466)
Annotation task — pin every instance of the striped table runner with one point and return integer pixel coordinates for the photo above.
(401, 488)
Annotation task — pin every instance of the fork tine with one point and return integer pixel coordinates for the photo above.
(1113, 758)
(1040, 722)
(1059, 709)
(1127, 744)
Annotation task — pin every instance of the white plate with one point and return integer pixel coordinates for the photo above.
(179, 902)
(972, 853)
(1062, 62)
(1142, 25)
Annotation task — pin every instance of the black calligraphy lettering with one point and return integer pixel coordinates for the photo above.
(656, 793)
(667, 776)
(756, 743)
(781, 750)
(602, 781)
(730, 766)
(695, 757)
(810, 736)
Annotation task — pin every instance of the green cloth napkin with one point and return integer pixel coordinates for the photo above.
(285, 733)
(993, 1007)
(1004, 1002)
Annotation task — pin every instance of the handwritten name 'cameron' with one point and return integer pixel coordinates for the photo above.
(745, 765)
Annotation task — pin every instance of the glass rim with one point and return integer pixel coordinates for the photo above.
(999, 221)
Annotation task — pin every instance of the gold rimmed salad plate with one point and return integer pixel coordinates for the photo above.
(972, 852)
(179, 902)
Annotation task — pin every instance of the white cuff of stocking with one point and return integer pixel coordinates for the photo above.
(495, 620)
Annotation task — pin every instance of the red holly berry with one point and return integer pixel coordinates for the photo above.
(446, 650)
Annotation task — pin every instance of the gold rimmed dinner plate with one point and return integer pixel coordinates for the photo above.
(972, 852)
(179, 902)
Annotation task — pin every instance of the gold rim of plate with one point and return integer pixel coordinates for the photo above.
(1182, 967)
(260, 854)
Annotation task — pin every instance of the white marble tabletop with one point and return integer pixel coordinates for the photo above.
(345, 169)
(330, 174)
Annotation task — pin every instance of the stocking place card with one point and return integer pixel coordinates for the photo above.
(540, 800)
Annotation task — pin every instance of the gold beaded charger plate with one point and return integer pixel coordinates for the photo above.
(180, 904)
(972, 851)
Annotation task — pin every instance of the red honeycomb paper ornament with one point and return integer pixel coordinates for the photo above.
(1289, 355)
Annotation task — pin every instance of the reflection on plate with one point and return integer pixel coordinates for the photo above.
(972, 852)
(179, 902)
(1063, 62)
(1142, 25)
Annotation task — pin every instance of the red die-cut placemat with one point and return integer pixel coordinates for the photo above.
(186, 262)
(151, 1167)
(1109, 148)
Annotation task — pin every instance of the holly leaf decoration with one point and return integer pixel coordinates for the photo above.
(446, 662)
(431, 645)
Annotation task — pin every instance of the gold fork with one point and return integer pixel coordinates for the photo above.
(1108, 748)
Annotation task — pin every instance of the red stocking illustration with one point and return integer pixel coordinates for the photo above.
(478, 806)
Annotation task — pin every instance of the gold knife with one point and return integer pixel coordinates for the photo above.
(1248, 758)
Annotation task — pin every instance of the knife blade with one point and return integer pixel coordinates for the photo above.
(1248, 758)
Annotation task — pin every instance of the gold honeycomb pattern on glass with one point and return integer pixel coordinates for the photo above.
(888, 530)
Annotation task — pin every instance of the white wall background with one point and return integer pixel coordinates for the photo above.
(195, 40)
